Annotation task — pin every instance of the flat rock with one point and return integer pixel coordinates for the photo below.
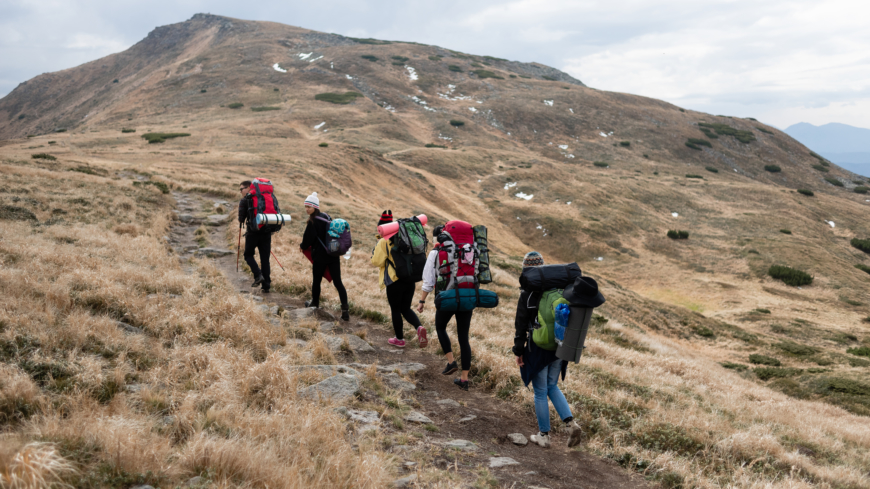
(393, 381)
(327, 326)
(274, 310)
(464, 445)
(256, 298)
(328, 370)
(417, 417)
(186, 218)
(128, 328)
(358, 344)
(195, 482)
(337, 388)
(303, 312)
(405, 481)
(263, 308)
(496, 462)
(365, 417)
(447, 403)
(468, 418)
(518, 439)
(275, 322)
(332, 342)
(217, 219)
(401, 368)
(213, 252)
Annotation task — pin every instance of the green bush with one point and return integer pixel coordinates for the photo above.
(833, 181)
(726, 130)
(625, 144)
(43, 156)
(264, 109)
(236, 105)
(433, 145)
(861, 189)
(487, 74)
(674, 234)
(819, 157)
(128, 130)
(550, 78)
(601, 164)
(710, 134)
(772, 168)
(789, 275)
(338, 98)
(767, 373)
(400, 59)
(159, 137)
(696, 143)
(711, 169)
(203, 90)
(796, 349)
(821, 168)
(376, 42)
(785, 231)
(323, 145)
(764, 360)
(455, 68)
(861, 244)
(808, 193)
(734, 366)
(370, 57)
(762, 310)
(435, 58)
(160, 185)
(456, 123)
(692, 175)
(765, 131)
(860, 352)
(665, 437)
(863, 268)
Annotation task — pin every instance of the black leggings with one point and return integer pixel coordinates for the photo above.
(463, 324)
(263, 243)
(400, 295)
(318, 269)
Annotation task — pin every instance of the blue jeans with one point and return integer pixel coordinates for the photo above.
(544, 383)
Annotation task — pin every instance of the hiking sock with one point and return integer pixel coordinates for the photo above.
(545, 433)
(568, 419)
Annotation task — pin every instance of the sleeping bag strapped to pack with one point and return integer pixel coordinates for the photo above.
(338, 238)
(262, 201)
(548, 277)
(484, 274)
(551, 281)
(409, 250)
(460, 300)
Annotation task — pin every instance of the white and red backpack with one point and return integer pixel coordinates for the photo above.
(263, 201)
(458, 257)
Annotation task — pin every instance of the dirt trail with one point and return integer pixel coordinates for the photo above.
(554, 468)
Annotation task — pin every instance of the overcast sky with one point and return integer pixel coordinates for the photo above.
(780, 61)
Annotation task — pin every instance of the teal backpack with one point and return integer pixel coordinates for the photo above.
(545, 334)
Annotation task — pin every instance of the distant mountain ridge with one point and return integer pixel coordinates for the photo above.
(845, 145)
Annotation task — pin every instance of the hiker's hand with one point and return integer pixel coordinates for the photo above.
(520, 362)
(420, 306)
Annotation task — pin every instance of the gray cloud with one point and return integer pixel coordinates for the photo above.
(782, 61)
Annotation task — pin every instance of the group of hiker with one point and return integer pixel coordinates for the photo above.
(553, 309)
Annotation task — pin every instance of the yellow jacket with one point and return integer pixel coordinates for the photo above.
(380, 255)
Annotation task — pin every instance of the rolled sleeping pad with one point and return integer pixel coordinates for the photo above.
(387, 230)
(273, 219)
(575, 334)
(467, 301)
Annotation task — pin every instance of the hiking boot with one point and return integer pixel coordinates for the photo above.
(345, 313)
(462, 384)
(421, 337)
(541, 439)
(266, 290)
(575, 434)
(396, 342)
(451, 368)
(258, 280)
(308, 304)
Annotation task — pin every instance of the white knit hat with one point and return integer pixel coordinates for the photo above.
(313, 201)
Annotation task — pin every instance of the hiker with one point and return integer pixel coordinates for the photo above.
(400, 293)
(313, 240)
(463, 318)
(259, 239)
(541, 367)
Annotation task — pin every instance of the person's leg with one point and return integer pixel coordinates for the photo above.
(335, 271)
(542, 408)
(407, 297)
(250, 245)
(441, 320)
(554, 393)
(394, 298)
(317, 270)
(265, 248)
(463, 325)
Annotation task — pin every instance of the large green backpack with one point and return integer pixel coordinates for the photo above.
(545, 335)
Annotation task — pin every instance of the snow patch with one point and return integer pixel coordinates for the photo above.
(569, 203)
(539, 227)
(510, 185)
(563, 146)
(472, 109)
(479, 180)
(548, 102)
(348, 77)
(523, 195)
(831, 223)
(571, 110)
(304, 56)
(569, 156)
(315, 59)
(600, 258)
(675, 214)
(320, 125)
(602, 134)
(412, 73)
(277, 67)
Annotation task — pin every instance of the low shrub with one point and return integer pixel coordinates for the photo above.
(665, 437)
(487, 74)
(128, 130)
(762, 310)
(115, 80)
(235, 105)
(323, 145)
(476, 65)
(803, 191)
(692, 175)
(734, 366)
(455, 68)
(764, 360)
(456, 123)
(696, 143)
(43, 156)
(772, 168)
(789, 275)
(160, 185)
(370, 57)
(821, 168)
(726, 130)
(796, 349)
(767, 373)
(159, 137)
(861, 244)
(765, 131)
(625, 144)
(859, 352)
(435, 58)
(820, 158)
(863, 268)
(433, 145)
(710, 134)
(711, 169)
(674, 234)
(338, 98)
(512, 76)
(550, 78)
(264, 109)
(203, 90)
(785, 231)
(833, 181)
(601, 164)
(861, 189)
(400, 59)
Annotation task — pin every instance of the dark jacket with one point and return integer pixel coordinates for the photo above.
(244, 205)
(534, 358)
(315, 238)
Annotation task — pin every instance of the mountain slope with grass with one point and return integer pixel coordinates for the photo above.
(732, 349)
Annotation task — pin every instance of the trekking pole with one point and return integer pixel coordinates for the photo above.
(276, 260)
(238, 246)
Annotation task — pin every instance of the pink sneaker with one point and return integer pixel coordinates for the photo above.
(421, 337)
(396, 342)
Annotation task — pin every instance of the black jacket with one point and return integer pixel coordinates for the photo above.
(315, 238)
(534, 358)
(244, 205)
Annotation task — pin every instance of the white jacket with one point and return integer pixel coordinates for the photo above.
(430, 271)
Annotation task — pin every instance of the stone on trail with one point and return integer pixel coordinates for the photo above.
(274, 310)
(468, 418)
(365, 417)
(358, 344)
(417, 417)
(264, 309)
(303, 312)
(213, 252)
(393, 381)
(518, 439)
(447, 403)
(186, 218)
(217, 219)
(405, 481)
(328, 370)
(496, 462)
(401, 368)
(332, 342)
(326, 326)
(337, 388)
(464, 445)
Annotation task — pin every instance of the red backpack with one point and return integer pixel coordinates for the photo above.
(458, 256)
(263, 201)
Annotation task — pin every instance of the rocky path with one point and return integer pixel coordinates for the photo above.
(440, 426)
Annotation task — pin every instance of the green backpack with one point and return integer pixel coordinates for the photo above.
(545, 335)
